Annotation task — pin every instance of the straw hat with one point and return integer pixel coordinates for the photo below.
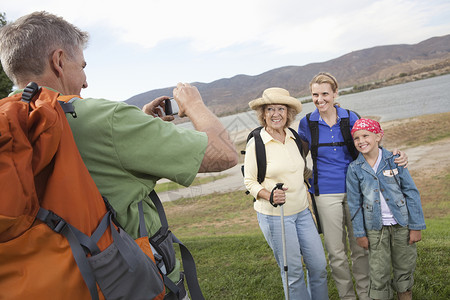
(276, 96)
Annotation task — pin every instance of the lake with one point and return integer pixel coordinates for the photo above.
(427, 96)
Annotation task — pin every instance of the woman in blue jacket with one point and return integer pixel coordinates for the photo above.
(387, 213)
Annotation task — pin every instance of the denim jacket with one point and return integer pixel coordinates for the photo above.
(400, 193)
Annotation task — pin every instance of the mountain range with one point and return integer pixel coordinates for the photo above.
(231, 95)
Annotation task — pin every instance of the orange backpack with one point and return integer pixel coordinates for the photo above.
(58, 239)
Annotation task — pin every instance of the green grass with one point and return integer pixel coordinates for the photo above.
(431, 277)
(236, 267)
(243, 267)
(234, 261)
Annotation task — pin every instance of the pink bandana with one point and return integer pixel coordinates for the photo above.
(369, 125)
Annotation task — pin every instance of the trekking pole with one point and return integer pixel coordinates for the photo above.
(283, 238)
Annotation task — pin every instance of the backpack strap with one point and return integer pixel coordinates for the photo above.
(189, 267)
(158, 257)
(298, 141)
(313, 200)
(346, 133)
(80, 243)
(260, 149)
(68, 108)
(58, 225)
(314, 128)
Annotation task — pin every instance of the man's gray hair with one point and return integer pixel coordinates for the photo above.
(27, 44)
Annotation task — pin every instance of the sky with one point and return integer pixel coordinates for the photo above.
(141, 45)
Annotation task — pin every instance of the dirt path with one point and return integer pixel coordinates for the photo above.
(433, 155)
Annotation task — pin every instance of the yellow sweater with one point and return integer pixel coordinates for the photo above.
(284, 165)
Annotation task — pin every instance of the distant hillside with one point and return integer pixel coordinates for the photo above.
(375, 64)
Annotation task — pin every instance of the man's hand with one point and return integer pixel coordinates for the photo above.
(188, 98)
(220, 152)
(156, 109)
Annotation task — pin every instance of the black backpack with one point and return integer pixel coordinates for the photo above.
(348, 142)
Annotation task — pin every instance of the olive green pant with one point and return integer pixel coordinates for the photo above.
(392, 261)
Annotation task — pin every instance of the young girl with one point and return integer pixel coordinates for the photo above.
(386, 211)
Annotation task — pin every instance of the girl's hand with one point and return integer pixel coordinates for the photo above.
(363, 242)
(415, 236)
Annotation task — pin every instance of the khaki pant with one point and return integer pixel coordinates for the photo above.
(337, 228)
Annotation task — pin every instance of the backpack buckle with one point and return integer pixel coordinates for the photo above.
(59, 225)
(55, 222)
(29, 92)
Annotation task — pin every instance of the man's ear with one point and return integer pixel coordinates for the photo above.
(57, 62)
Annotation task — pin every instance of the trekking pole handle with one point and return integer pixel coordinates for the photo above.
(277, 186)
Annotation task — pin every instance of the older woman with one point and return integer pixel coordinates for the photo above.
(276, 109)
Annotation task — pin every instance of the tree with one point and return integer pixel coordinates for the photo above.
(6, 85)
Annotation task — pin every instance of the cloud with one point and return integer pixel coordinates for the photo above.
(392, 22)
(164, 41)
(287, 26)
(283, 26)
